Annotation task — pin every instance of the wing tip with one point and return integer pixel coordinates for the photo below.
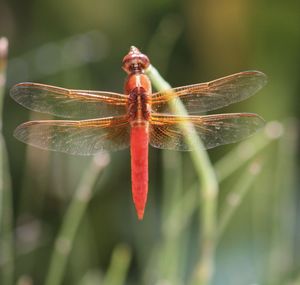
(257, 123)
(19, 132)
(259, 75)
(15, 90)
(259, 120)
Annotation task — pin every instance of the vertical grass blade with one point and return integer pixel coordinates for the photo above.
(283, 231)
(6, 219)
(71, 221)
(208, 188)
(118, 268)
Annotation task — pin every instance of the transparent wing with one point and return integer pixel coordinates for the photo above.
(84, 137)
(203, 97)
(69, 103)
(214, 130)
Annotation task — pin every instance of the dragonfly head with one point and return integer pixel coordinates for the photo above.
(135, 61)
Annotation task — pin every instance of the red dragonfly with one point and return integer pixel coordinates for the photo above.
(137, 117)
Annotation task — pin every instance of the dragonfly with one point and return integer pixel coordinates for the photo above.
(99, 121)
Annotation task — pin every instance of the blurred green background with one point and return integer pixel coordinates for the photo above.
(80, 45)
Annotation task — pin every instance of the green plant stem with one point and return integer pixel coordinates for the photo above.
(74, 214)
(6, 232)
(117, 271)
(284, 192)
(6, 213)
(208, 190)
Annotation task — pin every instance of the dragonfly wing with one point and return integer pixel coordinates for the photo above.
(203, 97)
(167, 133)
(69, 103)
(86, 137)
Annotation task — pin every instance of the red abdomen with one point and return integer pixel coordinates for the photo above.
(139, 138)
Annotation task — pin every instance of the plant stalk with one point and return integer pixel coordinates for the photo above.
(6, 206)
(208, 186)
(71, 222)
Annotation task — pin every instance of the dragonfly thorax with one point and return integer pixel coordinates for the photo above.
(138, 105)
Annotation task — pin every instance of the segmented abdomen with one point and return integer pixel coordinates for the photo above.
(139, 165)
